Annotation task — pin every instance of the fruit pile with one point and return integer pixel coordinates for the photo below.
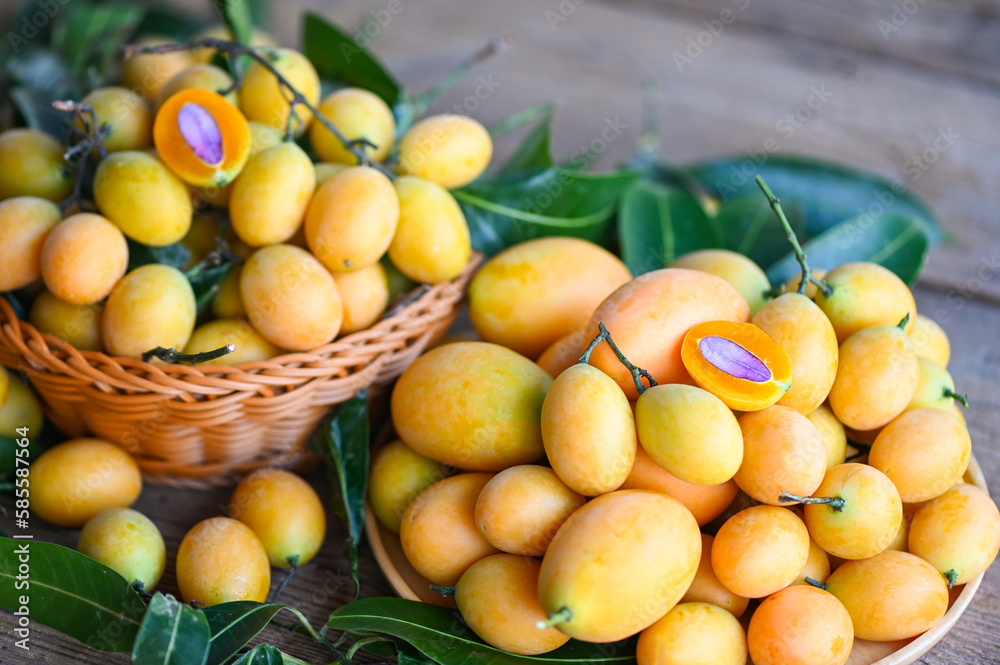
(275, 518)
(188, 159)
(656, 455)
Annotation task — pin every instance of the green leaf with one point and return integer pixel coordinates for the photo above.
(70, 592)
(899, 243)
(22, 32)
(176, 255)
(656, 224)
(234, 624)
(87, 34)
(554, 202)
(749, 226)
(38, 77)
(172, 633)
(337, 57)
(344, 441)
(236, 16)
(262, 654)
(206, 282)
(439, 633)
(534, 151)
(8, 455)
(828, 193)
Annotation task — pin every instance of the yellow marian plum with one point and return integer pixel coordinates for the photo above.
(890, 596)
(250, 345)
(438, 532)
(432, 242)
(498, 598)
(263, 100)
(126, 113)
(863, 295)
(202, 76)
(800, 625)
(204, 139)
(80, 325)
(84, 257)
(649, 565)
(649, 316)
(221, 560)
(473, 405)
(877, 377)
(799, 327)
(530, 295)
(450, 150)
(352, 219)
(151, 306)
(783, 453)
(930, 340)
(290, 298)
(268, 200)
(284, 511)
(21, 409)
(143, 198)
(737, 269)
(958, 533)
(75, 480)
(145, 74)
(365, 295)
(520, 509)
(588, 430)
(924, 452)
(126, 541)
(693, 634)
(935, 388)
(398, 474)
(25, 223)
(32, 164)
(357, 114)
(689, 432)
(760, 550)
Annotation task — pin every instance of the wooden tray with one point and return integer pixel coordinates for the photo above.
(408, 583)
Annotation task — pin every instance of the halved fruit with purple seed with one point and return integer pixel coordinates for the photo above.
(738, 363)
(203, 138)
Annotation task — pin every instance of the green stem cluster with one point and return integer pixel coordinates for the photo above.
(85, 142)
(233, 51)
(562, 615)
(174, 356)
(958, 397)
(800, 255)
(637, 372)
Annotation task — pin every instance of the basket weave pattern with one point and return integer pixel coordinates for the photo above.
(209, 425)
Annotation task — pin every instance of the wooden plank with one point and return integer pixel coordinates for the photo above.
(959, 37)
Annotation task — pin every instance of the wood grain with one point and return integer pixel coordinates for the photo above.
(888, 100)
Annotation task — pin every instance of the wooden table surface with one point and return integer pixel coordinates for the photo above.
(884, 80)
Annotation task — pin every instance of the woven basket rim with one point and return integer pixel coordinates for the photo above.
(344, 355)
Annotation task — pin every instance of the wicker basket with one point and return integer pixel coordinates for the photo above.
(208, 426)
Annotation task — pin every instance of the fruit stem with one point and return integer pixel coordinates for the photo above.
(81, 152)
(361, 643)
(652, 98)
(562, 615)
(260, 55)
(443, 590)
(293, 567)
(951, 576)
(811, 582)
(521, 118)
(902, 324)
(800, 256)
(445, 83)
(174, 356)
(835, 502)
(637, 372)
(961, 399)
